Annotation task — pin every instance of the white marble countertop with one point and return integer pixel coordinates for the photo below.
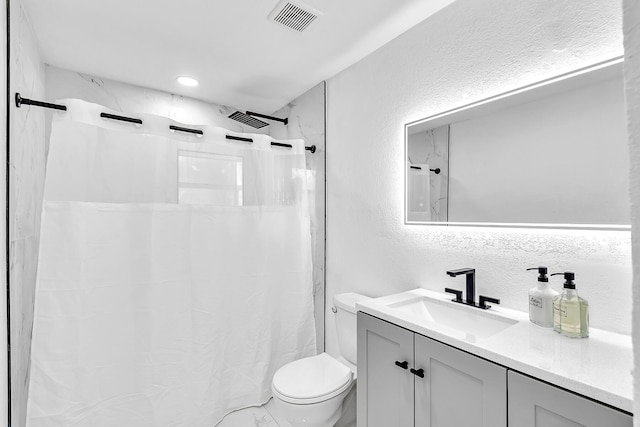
(599, 367)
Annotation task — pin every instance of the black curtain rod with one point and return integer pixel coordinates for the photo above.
(20, 101)
(181, 129)
(280, 144)
(311, 148)
(121, 118)
(436, 170)
(24, 101)
(238, 138)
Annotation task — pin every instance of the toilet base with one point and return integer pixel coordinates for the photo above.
(348, 415)
(321, 414)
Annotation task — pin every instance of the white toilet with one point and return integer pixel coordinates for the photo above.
(310, 392)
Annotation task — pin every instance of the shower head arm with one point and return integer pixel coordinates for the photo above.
(264, 116)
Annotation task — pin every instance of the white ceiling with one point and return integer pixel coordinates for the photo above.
(240, 58)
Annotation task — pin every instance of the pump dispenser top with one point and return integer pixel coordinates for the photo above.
(570, 311)
(542, 273)
(541, 300)
(569, 277)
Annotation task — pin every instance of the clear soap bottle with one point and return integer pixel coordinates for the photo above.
(541, 300)
(570, 312)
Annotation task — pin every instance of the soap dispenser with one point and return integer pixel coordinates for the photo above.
(541, 300)
(570, 312)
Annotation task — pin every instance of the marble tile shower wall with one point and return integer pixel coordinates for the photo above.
(4, 402)
(432, 147)
(26, 175)
(307, 121)
(130, 99)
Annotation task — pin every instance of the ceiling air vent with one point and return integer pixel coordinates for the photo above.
(294, 14)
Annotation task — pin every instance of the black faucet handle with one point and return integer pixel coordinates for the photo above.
(483, 302)
(457, 293)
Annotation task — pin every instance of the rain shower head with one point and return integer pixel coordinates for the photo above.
(248, 120)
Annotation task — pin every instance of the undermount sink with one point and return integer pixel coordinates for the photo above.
(461, 318)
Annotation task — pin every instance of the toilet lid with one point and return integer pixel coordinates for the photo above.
(312, 379)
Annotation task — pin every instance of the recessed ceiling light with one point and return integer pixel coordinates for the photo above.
(187, 81)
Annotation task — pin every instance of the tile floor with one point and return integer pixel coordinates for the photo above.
(259, 416)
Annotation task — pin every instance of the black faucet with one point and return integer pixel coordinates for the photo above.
(470, 298)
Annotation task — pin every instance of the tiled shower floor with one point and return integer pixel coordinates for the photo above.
(259, 416)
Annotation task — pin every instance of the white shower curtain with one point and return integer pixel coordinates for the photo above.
(174, 275)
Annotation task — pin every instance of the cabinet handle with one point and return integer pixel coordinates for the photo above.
(403, 365)
(417, 372)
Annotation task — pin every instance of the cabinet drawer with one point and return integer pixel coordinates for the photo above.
(533, 403)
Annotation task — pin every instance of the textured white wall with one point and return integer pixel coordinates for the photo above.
(632, 83)
(466, 52)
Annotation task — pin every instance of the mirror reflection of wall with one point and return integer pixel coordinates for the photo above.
(552, 155)
(427, 191)
(562, 159)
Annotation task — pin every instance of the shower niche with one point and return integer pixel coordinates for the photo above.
(550, 154)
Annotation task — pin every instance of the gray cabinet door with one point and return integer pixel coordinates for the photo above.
(385, 390)
(533, 403)
(458, 389)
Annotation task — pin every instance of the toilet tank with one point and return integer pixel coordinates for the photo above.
(346, 323)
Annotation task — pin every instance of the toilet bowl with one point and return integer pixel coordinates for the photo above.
(310, 392)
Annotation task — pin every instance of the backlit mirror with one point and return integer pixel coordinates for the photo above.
(552, 154)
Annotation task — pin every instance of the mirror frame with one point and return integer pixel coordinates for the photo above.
(545, 87)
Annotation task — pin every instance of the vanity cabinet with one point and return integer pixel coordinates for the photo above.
(533, 403)
(406, 380)
(458, 389)
(385, 385)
